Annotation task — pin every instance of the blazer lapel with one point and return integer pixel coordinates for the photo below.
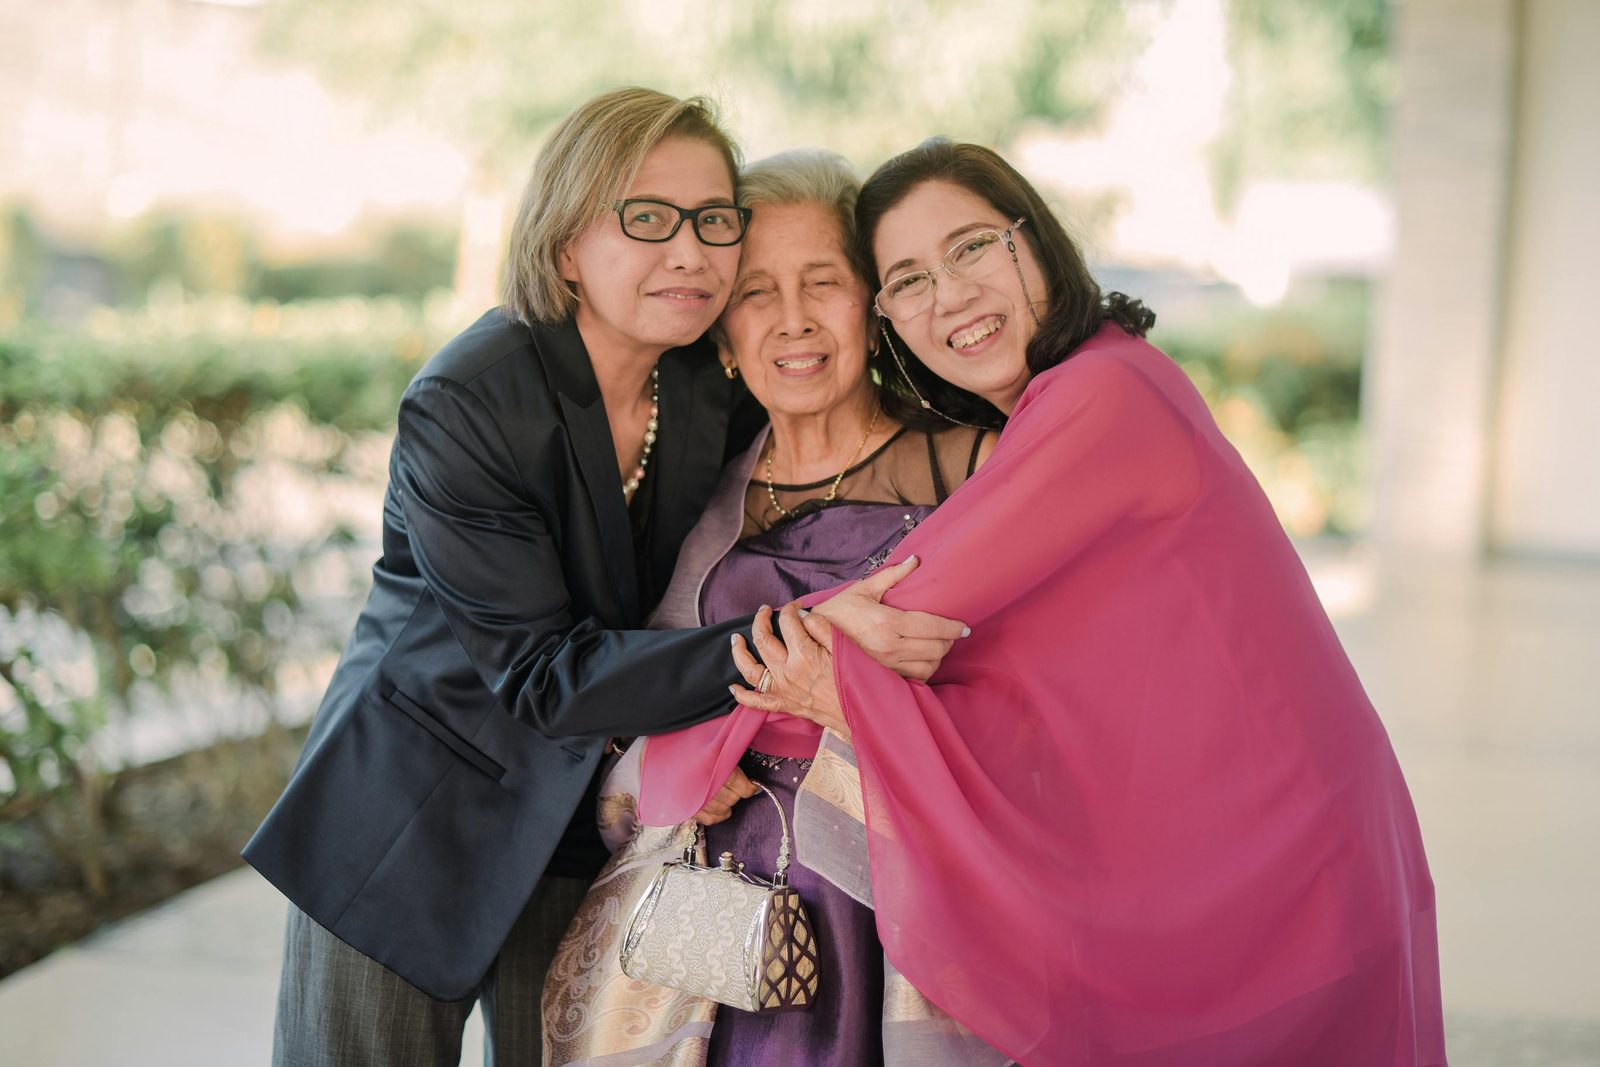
(695, 399)
(590, 433)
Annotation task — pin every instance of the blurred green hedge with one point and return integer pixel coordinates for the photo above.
(181, 491)
(1285, 386)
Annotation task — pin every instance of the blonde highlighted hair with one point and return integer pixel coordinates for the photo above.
(587, 164)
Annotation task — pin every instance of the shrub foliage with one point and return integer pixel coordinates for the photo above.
(184, 493)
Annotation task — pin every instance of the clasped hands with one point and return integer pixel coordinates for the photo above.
(910, 643)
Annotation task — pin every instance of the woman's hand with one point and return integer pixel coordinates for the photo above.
(802, 672)
(910, 643)
(720, 807)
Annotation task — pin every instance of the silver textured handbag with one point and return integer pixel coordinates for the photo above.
(723, 934)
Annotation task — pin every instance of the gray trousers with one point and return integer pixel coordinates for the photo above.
(338, 1008)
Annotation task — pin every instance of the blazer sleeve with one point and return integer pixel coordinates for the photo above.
(491, 555)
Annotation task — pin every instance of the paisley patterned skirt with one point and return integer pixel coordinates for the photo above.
(866, 1012)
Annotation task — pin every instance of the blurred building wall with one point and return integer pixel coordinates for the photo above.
(1486, 356)
(1546, 483)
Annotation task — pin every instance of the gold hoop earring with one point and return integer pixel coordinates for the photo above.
(730, 371)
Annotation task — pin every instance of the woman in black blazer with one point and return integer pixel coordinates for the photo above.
(434, 837)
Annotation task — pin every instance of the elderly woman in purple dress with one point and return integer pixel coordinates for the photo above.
(843, 472)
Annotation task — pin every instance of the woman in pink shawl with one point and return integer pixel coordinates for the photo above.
(1145, 814)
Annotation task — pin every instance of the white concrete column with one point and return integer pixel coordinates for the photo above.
(1546, 495)
(1432, 369)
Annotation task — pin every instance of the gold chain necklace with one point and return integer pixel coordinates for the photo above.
(772, 494)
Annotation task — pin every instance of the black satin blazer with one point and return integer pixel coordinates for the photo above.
(500, 646)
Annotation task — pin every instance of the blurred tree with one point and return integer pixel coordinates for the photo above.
(865, 77)
(1311, 84)
(854, 74)
(871, 78)
(1311, 90)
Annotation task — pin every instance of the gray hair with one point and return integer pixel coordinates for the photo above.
(588, 162)
(806, 176)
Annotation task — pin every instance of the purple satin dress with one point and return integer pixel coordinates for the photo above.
(845, 1026)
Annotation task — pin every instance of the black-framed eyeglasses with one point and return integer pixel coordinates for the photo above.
(657, 220)
(909, 295)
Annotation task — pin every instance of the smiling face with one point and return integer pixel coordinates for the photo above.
(655, 295)
(797, 323)
(975, 336)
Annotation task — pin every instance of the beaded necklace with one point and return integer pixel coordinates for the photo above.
(631, 485)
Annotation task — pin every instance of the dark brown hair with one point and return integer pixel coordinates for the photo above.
(1074, 306)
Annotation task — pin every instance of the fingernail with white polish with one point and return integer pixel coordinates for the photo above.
(733, 639)
(966, 631)
(804, 612)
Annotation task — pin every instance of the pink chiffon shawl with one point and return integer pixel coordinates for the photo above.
(1145, 814)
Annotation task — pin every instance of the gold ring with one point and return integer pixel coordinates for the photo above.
(765, 683)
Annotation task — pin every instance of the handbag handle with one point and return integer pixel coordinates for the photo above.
(780, 875)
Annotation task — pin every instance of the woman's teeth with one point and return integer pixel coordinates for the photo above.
(969, 337)
(801, 364)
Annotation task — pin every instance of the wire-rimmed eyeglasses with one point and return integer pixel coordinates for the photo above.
(657, 220)
(909, 295)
